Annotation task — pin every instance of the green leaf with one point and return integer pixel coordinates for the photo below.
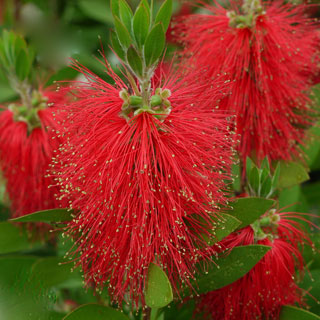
(294, 313)
(134, 61)
(224, 227)
(122, 33)
(231, 267)
(248, 210)
(97, 9)
(126, 14)
(115, 8)
(254, 180)
(158, 292)
(14, 239)
(311, 284)
(291, 174)
(52, 215)
(117, 46)
(154, 44)
(141, 22)
(164, 14)
(22, 65)
(53, 271)
(95, 312)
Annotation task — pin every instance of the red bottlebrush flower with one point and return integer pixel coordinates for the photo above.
(267, 287)
(146, 184)
(268, 54)
(26, 148)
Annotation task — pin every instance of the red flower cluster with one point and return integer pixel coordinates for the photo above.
(26, 147)
(267, 287)
(147, 184)
(268, 54)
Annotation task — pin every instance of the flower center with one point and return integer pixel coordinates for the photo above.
(251, 9)
(266, 226)
(30, 115)
(158, 105)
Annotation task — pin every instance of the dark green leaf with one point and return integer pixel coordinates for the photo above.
(95, 312)
(134, 61)
(154, 45)
(141, 22)
(231, 267)
(164, 14)
(158, 292)
(311, 284)
(53, 271)
(117, 46)
(52, 215)
(248, 210)
(122, 33)
(291, 174)
(126, 14)
(14, 238)
(294, 313)
(21, 299)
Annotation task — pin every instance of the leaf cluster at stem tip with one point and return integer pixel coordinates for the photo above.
(139, 37)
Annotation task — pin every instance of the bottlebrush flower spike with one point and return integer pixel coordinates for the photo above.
(262, 292)
(268, 51)
(26, 149)
(147, 179)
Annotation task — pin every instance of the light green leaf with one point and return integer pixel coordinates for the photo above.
(154, 45)
(117, 46)
(291, 174)
(48, 216)
(95, 312)
(231, 267)
(134, 61)
(158, 291)
(164, 14)
(294, 313)
(14, 238)
(223, 228)
(115, 8)
(126, 14)
(22, 65)
(97, 9)
(122, 33)
(141, 22)
(248, 210)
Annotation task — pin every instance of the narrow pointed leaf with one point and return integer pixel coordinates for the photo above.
(95, 312)
(134, 61)
(294, 313)
(154, 44)
(52, 215)
(229, 268)
(158, 292)
(248, 210)
(291, 174)
(117, 46)
(223, 228)
(122, 33)
(141, 22)
(164, 14)
(126, 14)
(114, 4)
